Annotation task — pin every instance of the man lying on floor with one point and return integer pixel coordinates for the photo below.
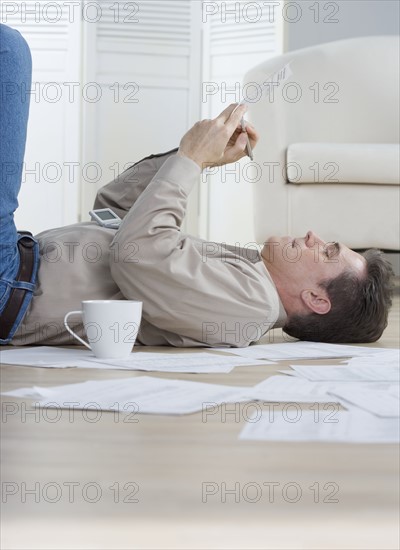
(194, 292)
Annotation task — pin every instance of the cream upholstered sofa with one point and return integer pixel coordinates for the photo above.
(328, 156)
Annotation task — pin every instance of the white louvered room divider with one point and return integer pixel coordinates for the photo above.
(240, 35)
(146, 58)
(131, 78)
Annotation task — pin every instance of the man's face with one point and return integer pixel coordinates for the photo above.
(303, 262)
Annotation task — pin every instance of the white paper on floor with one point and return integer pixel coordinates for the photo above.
(45, 356)
(354, 426)
(319, 373)
(143, 394)
(379, 402)
(303, 350)
(54, 357)
(389, 358)
(290, 389)
(200, 362)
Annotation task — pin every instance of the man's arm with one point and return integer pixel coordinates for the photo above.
(121, 193)
(183, 291)
(199, 144)
(157, 214)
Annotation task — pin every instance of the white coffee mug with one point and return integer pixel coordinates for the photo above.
(111, 326)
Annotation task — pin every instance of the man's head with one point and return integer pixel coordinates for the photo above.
(330, 293)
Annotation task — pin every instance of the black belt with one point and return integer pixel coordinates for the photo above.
(14, 302)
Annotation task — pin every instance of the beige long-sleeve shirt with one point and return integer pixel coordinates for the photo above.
(194, 292)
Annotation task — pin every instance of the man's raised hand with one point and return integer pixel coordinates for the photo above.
(218, 141)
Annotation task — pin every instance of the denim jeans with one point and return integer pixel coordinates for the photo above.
(15, 83)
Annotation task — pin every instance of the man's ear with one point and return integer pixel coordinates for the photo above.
(316, 300)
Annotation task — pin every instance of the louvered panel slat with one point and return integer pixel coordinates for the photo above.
(154, 4)
(44, 25)
(42, 29)
(243, 27)
(240, 32)
(268, 46)
(251, 32)
(159, 23)
(36, 17)
(110, 12)
(148, 32)
(155, 18)
(249, 50)
(247, 37)
(223, 29)
(116, 46)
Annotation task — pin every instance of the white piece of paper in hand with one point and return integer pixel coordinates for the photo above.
(270, 84)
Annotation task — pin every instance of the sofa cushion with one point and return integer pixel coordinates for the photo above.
(373, 163)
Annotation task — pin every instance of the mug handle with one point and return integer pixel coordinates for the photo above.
(71, 331)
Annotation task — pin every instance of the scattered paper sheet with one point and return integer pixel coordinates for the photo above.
(143, 394)
(390, 357)
(357, 374)
(291, 389)
(353, 426)
(302, 350)
(199, 362)
(29, 393)
(45, 356)
(55, 357)
(299, 390)
(394, 390)
(379, 402)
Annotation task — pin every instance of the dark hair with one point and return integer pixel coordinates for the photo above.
(359, 309)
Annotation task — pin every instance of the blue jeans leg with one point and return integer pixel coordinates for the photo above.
(15, 83)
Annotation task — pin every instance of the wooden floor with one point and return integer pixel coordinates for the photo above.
(181, 482)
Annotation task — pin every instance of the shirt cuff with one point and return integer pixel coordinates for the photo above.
(180, 170)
